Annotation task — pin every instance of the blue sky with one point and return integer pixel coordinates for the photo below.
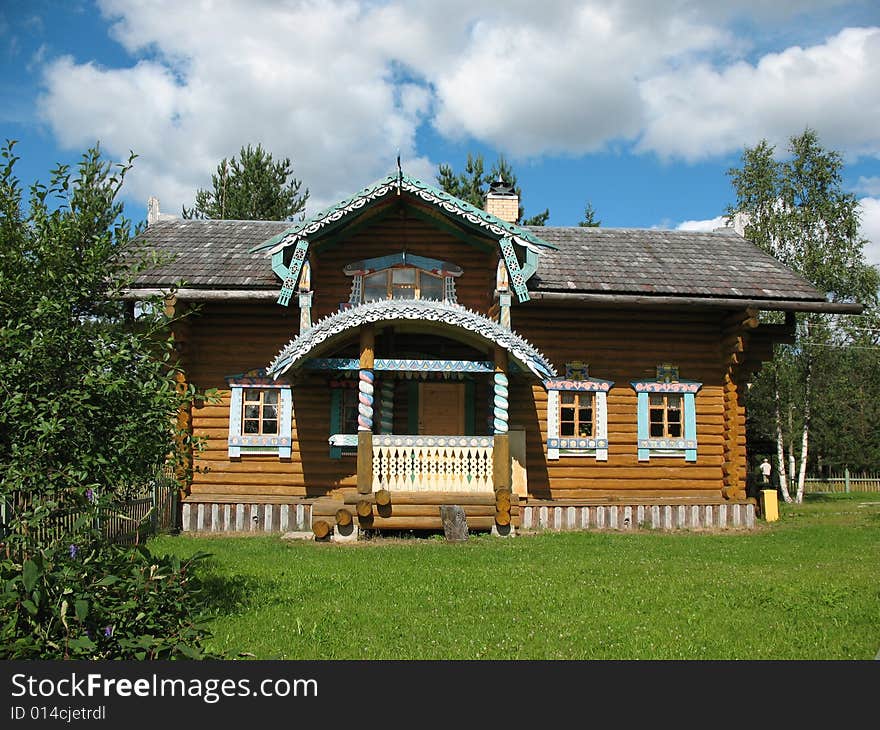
(639, 106)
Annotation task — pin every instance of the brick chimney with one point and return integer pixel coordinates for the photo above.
(502, 201)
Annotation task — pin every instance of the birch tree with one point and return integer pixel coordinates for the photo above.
(798, 211)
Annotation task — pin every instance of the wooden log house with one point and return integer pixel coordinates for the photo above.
(403, 350)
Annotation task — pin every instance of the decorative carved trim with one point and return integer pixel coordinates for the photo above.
(446, 313)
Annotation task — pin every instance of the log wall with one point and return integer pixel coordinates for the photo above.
(619, 345)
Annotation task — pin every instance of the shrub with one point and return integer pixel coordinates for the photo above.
(101, 601)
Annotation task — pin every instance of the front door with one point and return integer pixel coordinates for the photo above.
(441, 408)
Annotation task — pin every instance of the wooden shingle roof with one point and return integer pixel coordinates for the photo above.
(663, 262)
(217, 255)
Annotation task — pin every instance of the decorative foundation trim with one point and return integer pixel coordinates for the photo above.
(628, 516)
(245, 517)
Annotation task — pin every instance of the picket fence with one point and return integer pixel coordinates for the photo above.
(842, 482)
(154, 510)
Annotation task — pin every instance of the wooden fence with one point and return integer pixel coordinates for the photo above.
(153, 510)
(842, 482)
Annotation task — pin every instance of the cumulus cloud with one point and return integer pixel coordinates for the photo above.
(702, 111)
(301, 79)
(340, 86)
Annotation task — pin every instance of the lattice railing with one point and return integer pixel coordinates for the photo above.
(432, 463)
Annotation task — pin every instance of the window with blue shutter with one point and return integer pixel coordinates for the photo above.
(260, 415)
(667, 415)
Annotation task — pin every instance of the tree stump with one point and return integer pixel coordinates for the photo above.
(454, 523)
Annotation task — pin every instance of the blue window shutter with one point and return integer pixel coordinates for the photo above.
(234, 423)
(690, 425)
(644, 452)
(286, 417)
(335, 420)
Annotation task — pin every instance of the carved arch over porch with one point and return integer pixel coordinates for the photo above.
(447, 319)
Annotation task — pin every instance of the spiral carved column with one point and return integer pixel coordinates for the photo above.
(501, 448)
(365, 412)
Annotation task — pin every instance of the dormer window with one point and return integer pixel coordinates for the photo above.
(402, 276)
(402, 283)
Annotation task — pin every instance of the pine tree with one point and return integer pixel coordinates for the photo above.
(252, 187)
(472, 185)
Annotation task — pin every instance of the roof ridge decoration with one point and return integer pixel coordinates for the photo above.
(388, 310)
(428, 193)
(297, 235)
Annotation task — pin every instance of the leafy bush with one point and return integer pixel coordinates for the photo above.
(91, 395)
(101, 602)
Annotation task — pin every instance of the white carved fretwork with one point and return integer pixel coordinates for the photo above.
(432, 463)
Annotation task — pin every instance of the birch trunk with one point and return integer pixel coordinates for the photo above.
(805, 440)
(780, 443)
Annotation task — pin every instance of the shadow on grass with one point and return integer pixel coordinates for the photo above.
(224, 594)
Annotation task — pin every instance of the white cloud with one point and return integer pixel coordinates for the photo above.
(869, 186)
(302, 79)
(870, 210)
(340, 86)
(702, 111)
(704, 225)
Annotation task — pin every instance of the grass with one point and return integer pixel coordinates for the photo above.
(805, 587)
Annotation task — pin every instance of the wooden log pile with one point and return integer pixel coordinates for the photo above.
(383, 510)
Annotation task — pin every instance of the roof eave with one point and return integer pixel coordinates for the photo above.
(781, 305)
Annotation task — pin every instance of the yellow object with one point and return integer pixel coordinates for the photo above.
(769, 505)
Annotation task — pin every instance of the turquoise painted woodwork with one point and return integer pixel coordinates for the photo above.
(365, 400)
(434, 266)
(690, 426)
(686, 445)
(500, 403)
(643, 430)
(288, 287)
(335, 419)
(517, 280)
(238, 442)
(403, 365)
(450, 206)
(286, 418)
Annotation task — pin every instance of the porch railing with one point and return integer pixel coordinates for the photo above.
(433, 463)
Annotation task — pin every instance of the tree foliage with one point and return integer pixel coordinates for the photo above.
(589, 219)
(797, 210)
(89, 404)
(251, 187)
(472, 185)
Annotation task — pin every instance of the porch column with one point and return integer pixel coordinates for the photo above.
(501, 449)
(365, 411)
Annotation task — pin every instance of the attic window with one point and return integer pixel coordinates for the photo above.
(402, 276)
(402, 283)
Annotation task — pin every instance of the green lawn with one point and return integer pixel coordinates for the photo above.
(805, 587)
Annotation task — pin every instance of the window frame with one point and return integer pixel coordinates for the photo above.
(239, 442)
(684, 445)
(343, 442)
(579, 446)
